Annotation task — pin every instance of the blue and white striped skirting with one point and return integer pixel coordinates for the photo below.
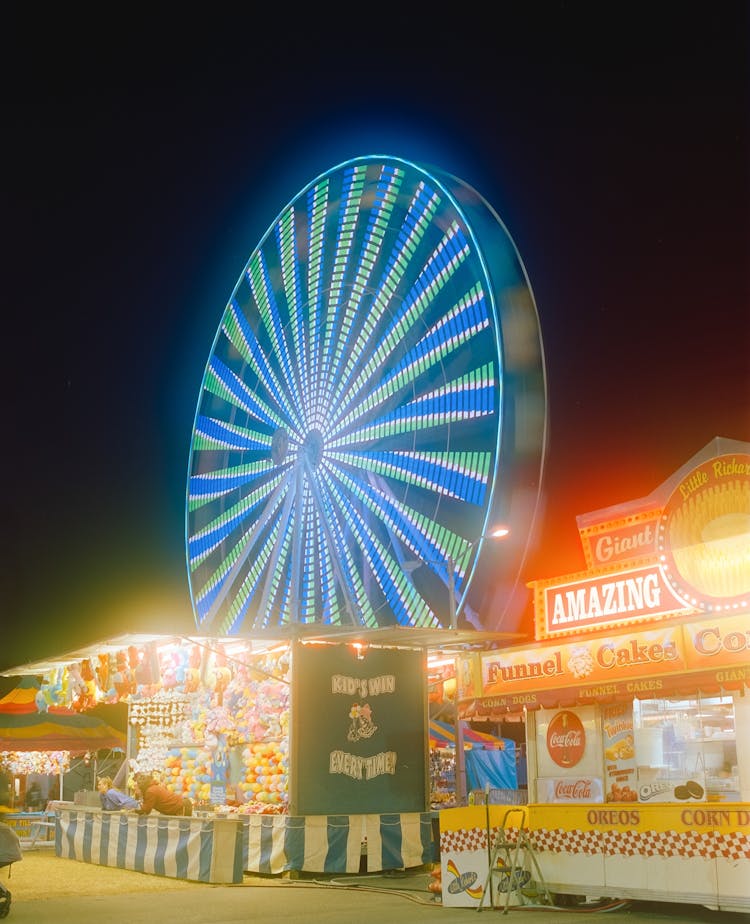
(335, 843)
(220, 850)
(199, 849)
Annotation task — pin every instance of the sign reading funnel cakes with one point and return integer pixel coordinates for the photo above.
(704, 534)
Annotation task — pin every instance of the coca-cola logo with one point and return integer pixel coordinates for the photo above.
(573, 789)
(566, 739)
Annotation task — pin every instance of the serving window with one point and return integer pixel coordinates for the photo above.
(689, 738)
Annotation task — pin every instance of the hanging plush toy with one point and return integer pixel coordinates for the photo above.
(41, 701)
(102, 672)
(168, 670)
(89, 695)
(78, 688)
(181, 666)
(192, 680)
(120, 675)
(65, 687)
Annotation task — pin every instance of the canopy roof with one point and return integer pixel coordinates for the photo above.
(442, 734)
(24, 728)
(450, 641)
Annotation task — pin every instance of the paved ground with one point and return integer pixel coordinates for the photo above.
(49, 890)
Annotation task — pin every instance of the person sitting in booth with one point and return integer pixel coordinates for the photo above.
(155, 797)
(34, 800)
(113, 799)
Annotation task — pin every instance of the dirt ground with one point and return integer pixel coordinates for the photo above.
(42, 874)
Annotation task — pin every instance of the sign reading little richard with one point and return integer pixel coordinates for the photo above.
(359, 731)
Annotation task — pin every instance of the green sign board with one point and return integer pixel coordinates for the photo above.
(359, 731)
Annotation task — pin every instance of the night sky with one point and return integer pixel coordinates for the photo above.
(145, 158)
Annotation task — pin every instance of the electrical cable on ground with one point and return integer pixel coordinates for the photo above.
(584, 908)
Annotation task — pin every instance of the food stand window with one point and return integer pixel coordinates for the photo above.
(688, 738)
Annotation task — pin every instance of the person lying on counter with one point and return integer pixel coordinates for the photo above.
(155, 797)
(113, 799)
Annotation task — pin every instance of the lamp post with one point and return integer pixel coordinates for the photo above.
(499, 532)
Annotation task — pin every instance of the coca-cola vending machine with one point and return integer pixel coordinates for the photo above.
(568, 750)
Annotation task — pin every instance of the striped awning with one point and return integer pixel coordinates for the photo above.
(23, 727)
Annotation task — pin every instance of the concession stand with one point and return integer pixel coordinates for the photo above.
(636, 701)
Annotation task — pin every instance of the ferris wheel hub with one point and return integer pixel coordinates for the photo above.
(313, 448)
(279, 445)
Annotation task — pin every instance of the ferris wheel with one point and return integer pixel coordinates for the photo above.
(353, 429)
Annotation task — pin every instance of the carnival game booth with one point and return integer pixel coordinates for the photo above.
(636, 703)
(40, 742)
(490, 762)
(299, 755)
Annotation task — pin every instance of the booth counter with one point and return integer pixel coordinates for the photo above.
(663, 852)
(200, 849)
(220, 848)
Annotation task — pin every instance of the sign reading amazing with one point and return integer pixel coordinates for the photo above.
(625, 597)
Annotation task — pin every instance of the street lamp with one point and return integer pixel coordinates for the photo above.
(498, 532)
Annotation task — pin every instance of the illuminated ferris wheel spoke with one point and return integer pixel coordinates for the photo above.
(357, 605)
(292, 291)
(443, 406)
(387, 570)
(425, 538)
(351, 409)
(409, 317)
(330, 608)
(427, 541)
(280, 555)
(460, 475)
(204, 489)
(372, 244)
(226, 522)
(430, 352)
(217, 434)
(317, 208)
(219, 584)
(240, 336)
(226, 384)
(257, 275)
(344, 241)
(409, 237)
(256, 578)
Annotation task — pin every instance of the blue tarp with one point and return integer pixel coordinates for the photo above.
(496, 768)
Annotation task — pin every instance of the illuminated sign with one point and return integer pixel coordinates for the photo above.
(704, 535)
(605, 600)
(606, 546)
(633, 662)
